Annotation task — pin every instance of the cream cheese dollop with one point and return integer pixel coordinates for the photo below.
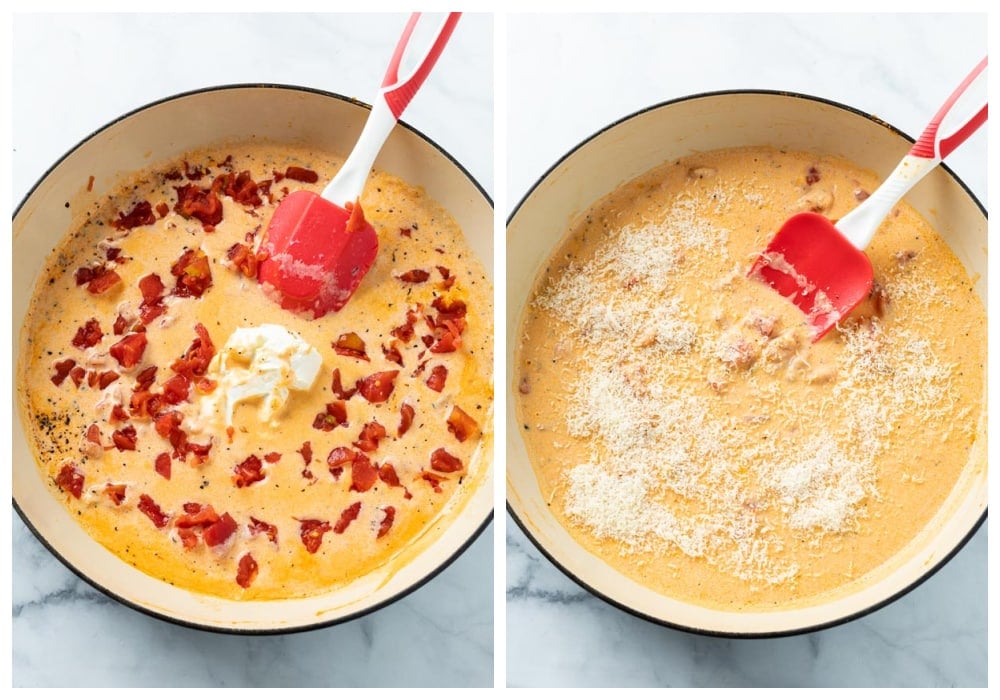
(260, 362)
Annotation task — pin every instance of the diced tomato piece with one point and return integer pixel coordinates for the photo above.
(406, 414)
(178, 440)
(449, 309)
(439, 375)
(257, 527)
(335, 414)
(152, 511)
(195, 172)
(341, 455)
(461, 424)
(434, 480)
(306, 451)
(194, 202)
(415, 276)
(443, 461)
(338, 387)
(77, 374)
(240, 187)
(152, 288)
(195, 360)
(246, 570)
(193, 274)
(245, 260)
(176, 389)
(403, 332)
(338, 457)
(62, 369)
(162, 465)
(205, 385)
(386, 524)
(295, 172)
(83, 275)
(128, 351)
(387, 473)
(104, 379)
(124, 438)
(356, 220)
(104, 281)
(347, 516)
(167, 422)
(221, 531)
(363, 473)
(162, 209)
(70, 479)
(272, 457)
(265, 189)
(249, 471)
(145, 378)
(88, 335)
(197, 515)
(377, 387)
(118, 414)
(189, 537)
(351, 345)
(370, 435)
(393, 354)
(199, 452)
(311, 532)
(116, 492)
(120, 325)
(449, 341)
(141, 214)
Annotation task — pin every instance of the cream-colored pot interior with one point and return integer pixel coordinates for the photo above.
(650, 138)
(166, 130)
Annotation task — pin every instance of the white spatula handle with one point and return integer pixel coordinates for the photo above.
(934, 144)
(393, 97)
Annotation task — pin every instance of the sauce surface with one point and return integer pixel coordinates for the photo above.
(681, 423)
(345, 474)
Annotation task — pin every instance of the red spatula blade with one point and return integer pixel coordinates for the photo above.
(813, 265)
(316, 254)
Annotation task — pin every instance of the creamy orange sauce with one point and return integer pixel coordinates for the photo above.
(414, 232)
(683, 426)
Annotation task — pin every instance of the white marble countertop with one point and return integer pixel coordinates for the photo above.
(71, 76)
(569, 76)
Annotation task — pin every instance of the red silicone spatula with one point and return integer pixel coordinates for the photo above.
(822, 268)
(319, 247)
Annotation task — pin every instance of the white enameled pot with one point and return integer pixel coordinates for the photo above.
(649, 138)
(167, 129)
